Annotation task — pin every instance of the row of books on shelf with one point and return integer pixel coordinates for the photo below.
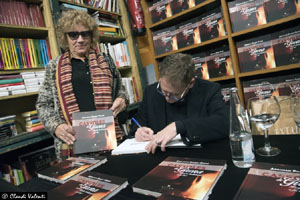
(270, 50)
(205, 27)
(20, 13)
(162, 9)
(263, 52)
(23, 53)
(243, 13)
(108, 5)
(24, 82)
(251, 13)
(131, 88)
(107, 20)
(12, 125)
(119, 53)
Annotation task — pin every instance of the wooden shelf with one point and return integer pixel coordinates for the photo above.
(22, 140)
(14, 31)
(17, 71)
(19, 96)
(111, 39)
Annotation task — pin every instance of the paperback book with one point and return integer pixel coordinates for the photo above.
(165, 40)
(66, 169)
(278, 9)
(89, 185)
(286, 45)
(256, 54)
(189, 178)
(245, 14)
(201, 70)
(270, 181)
(188, 33)
(159, 10)
(94, 131)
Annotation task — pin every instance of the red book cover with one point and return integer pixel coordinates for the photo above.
(219, 62)
(211, 25)
(94, 131)
(159, 10)
(246, 14)
(201, 70)
(190, 178)
(89, 185)
(73, 166)
(270, 181)
(165, 40)
(278, 9)
(187, 33)
(225, 91)
(39, 16)
(256, 54)
(286, 44)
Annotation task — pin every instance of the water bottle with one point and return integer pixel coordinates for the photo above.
(240, 135)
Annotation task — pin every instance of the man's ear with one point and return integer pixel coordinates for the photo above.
(192, 83)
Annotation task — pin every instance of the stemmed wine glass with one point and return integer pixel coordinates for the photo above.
(264, 110)
(296, 110)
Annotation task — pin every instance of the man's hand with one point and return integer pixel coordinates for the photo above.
(162, 138)
(118, 106)
(144, 134)
(66, 133)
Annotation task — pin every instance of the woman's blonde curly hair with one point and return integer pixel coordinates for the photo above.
(69, 19)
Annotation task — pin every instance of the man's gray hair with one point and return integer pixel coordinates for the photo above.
(178, 69)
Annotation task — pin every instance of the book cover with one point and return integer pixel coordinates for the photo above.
(246, 14)
(187, 33)
(159, 10)
(94, 131)
(270, 181)
(189, 178)
(286, 45)
(278, 9)
(178, 6)
(165, 40)
(201, 70)
(219, 62)
(256, 54)
(64, 170)
(211, 25)
(89, 185)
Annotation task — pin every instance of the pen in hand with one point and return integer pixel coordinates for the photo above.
(136, 122)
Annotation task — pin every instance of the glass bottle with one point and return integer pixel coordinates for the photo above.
(240, 135)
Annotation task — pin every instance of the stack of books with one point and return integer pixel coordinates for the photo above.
(32, 122)
(11, 85)
(7, 127)
(33, 80)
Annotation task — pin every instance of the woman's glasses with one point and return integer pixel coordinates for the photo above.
(75, 35)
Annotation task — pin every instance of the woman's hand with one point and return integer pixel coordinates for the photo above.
(144, 134)
(118, 106)
(66, 133)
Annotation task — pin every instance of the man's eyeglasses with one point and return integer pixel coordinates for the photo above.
(75, 35)
(172, 97)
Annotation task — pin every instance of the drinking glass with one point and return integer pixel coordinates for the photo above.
(264, 112)
(296, 110)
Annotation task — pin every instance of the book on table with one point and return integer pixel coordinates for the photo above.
(89, 185)
(63, 171)
(181, 177)
(94, 131)
(270, 181)
(130, 146)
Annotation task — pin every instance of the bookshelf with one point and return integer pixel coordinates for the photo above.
(230, 39)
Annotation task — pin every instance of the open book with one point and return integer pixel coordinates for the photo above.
(130, 146)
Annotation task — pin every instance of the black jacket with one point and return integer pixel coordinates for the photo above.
(207, 115)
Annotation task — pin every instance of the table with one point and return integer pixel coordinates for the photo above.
(135, 166)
